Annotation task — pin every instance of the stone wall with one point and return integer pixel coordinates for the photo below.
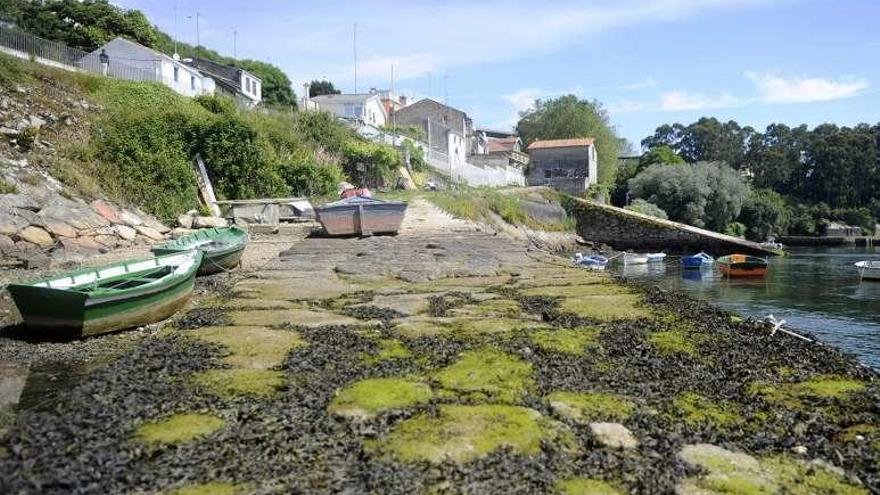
(625, 230)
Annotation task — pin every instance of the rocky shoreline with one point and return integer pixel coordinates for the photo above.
(451, 360)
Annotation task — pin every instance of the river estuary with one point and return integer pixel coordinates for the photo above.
(814, 290)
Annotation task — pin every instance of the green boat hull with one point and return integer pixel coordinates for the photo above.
(71, 313)
(227, 247)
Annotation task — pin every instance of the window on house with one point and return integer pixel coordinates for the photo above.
(548, 174)
(192, 82)
(176, 74)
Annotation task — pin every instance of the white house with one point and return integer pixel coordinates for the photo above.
(366, 107)
(128, 60)
(231, 80)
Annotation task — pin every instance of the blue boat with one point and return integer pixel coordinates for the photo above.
(696, 261)
(593, 261)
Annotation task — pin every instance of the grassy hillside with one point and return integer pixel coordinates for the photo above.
(137, 141)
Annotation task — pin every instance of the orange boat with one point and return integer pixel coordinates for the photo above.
(742, 265)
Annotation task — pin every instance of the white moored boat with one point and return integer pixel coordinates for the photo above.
(869, 270)
(635, 258)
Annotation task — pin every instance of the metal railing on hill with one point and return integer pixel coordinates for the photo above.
(26, 45)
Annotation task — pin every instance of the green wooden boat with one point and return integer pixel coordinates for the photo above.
(222, 247)
(97, 300)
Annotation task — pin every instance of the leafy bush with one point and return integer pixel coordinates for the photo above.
(217, 104)
(308, 179)
(707, 195)
(416, 156)
(765, 214)
(735, 229)
(860, 217)
(647, 208)
(410, 131)
(370, 164)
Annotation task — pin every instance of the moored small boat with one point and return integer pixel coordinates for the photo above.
(742, 265)
(634, 258)
(222, 247)
(656, 257)
(108, 298)
(696, 261)
(592, 262)
(869, 270)
(362, 216)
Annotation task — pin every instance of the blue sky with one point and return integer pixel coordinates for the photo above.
(648, 61)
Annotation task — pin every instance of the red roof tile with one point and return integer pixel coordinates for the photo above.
(561, 143)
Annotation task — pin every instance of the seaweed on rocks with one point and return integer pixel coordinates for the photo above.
(202, 317)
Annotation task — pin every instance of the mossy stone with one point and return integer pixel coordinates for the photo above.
(588, 407)
(487, 374)
(590, 289)
(672, 342)
(178, 428)
(586, 486)
(295, 317)
(327, 286)
(565, 340)
(606, 308)
(232, 383)
(463, 433)
(388, 349)
(694, 409)
(820, 387)
(493, 308)
(368, 398)
(212, 488)
(252, 347)
(462, 328)
(802, 478)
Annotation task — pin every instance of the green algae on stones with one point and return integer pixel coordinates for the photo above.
(252, 347)
(487, 374)
(421, 326)
(586, 486)
(178, 428)
(587, 407)
(212, 488)
(295, 317)
(741, 474)
(326, 286)
(694, 409)
(820, 387)
(565, 340)
(589, 289)
(672, 342)
(388, 349)
(464, 433)
(368, 398)
(604, 308)
(497, 308)
(231, 383)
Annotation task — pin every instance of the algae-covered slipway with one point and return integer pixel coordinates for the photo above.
(451, 360)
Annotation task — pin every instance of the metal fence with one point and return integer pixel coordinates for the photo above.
(25, 45)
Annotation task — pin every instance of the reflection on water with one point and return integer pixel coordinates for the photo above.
(816, 290)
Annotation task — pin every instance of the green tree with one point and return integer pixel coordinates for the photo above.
(765, 215)
(323, 87)
(570, 117)
(646, 208)
(660, 154)
(703, 194)
(706, 140)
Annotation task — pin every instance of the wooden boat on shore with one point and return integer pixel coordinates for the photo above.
(361, 216)
(592, 261)
(696, 261)
(742, 265)
(222, 247)
(103, 299)
(869, 270)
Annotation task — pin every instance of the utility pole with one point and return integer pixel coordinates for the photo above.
(175, 27)
(355, 46)
(198, 39)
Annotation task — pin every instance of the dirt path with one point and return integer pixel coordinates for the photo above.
(451, 359)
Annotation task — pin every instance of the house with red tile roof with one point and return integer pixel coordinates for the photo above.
(567, 165)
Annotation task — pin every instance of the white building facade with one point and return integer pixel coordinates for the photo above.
(365, 107)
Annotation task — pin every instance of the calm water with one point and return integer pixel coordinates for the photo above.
(816, 290)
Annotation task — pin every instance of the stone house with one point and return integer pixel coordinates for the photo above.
(365, 107)
(129, 60)
(231, 80)
(448, 129)
(568, 165)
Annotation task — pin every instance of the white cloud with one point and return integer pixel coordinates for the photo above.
(776, 88)
(648, 82)
(678, 101)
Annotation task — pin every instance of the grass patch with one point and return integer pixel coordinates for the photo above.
(493, 308)
(179, 428)
(388, 349)
(233, 383)
(694, 409)
(368, 398)
(7, 187)
(572, 341)
(672, 342)
(487, 374)
(794, 394)
(606, 308)
(586, 486)
(463, 433)
(212, 488)
(588, 407)
(480, 203)
(252, 347)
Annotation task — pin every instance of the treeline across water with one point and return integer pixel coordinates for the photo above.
(787, 180)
